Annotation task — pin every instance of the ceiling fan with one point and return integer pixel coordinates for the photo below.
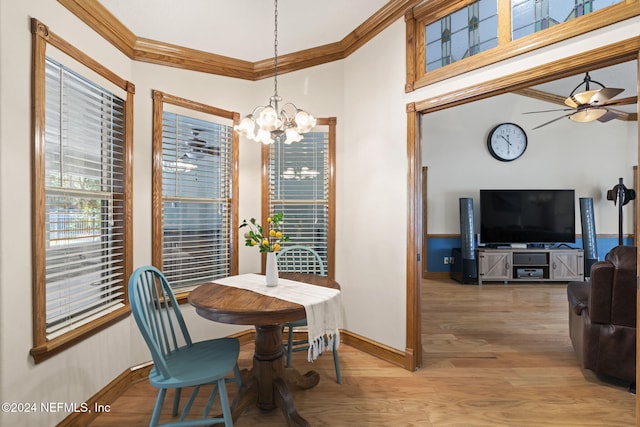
(587, 106)
(198, 147)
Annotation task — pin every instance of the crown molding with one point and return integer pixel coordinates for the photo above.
(98, 18)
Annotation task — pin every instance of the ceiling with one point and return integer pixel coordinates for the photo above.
(244, 30)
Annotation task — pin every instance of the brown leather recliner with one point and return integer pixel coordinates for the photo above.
(602, 316)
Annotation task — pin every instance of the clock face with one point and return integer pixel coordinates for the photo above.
(507, 142)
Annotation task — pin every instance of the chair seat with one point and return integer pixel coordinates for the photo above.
(201, 363)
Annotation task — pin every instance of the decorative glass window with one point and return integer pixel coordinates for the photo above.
(466, 32)
(300, 185)
(195, 213)
(531, 16)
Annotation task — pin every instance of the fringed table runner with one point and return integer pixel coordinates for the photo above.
(323, 306)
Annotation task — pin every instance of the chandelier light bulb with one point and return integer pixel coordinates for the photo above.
(292, 135)
(268, 119)
(247, 127)
(304, 121)
(263, 136)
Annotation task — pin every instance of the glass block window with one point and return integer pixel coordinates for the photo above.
(466, 32)
(196, 199)
(531, 16)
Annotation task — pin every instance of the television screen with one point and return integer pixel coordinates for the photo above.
(527, 216)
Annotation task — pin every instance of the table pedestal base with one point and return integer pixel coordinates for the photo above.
(267, 384)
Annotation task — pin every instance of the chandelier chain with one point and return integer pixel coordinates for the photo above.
(273, 122)
(275, 50)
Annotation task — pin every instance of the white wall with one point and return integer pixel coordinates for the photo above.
(371, 186)
(587, 157)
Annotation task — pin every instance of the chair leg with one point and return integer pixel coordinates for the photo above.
(238, 376)
(176, 403)
(158, 408)
(192, 399)
(224, 402)
(289, 346)
(336, 363)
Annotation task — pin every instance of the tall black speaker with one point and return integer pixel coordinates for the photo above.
(464, 267)
(589, 239)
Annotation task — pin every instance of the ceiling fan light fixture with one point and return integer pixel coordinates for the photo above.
(586, 115)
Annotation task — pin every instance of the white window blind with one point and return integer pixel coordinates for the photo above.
(196, 195)
(84, 215)
(299, 188)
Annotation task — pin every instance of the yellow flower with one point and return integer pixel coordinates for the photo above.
(278, 234)
(272, 233)
(252, 243)
(275, 247)
(269, 219)
(265, 242)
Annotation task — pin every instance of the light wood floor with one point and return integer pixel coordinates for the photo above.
(496, 355)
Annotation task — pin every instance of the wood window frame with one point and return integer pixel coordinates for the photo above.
(42, 348)
(159, 99)
(417, 19)
(331, 123)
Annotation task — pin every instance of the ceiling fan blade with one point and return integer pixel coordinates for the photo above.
(604, 95)
(548, 111)
(551, 121)
(623, 101)
(609, 115)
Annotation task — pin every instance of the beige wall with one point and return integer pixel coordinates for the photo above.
(365, 92)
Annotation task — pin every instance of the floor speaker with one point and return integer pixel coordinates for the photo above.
(464, 269)
(589, 238)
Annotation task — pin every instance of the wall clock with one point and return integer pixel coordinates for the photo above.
(507, 142)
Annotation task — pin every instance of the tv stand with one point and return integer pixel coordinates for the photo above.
(530, 265)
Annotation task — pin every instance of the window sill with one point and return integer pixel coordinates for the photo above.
(50, 348)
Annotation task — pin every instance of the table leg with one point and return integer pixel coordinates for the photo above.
(268, 384)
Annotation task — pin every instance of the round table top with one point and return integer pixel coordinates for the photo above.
(227, 304)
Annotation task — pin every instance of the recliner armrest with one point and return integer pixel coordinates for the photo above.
(578, 295)
(601, 292)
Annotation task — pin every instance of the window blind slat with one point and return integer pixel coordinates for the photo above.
(84, 217)
(196, 189)
(299, 188)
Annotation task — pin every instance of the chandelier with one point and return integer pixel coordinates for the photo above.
(272, 123)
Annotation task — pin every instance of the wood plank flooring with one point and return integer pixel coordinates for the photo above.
(495, 355)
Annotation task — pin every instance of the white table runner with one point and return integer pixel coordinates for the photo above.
(323, 306)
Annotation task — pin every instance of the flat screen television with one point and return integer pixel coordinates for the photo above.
(527, 216)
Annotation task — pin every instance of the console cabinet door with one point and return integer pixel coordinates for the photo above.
(567, 265)
(494, 265)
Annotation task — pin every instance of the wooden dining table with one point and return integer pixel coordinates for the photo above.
(267, 384)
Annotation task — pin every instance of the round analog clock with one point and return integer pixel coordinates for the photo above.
(507, 142)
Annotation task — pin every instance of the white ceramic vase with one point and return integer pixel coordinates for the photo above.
(272, 269)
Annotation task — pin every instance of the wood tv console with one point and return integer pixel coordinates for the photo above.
(530, 265)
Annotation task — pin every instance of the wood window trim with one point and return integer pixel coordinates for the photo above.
(417, 20)
(43, 349)
(623, 51)
(331, 123)
(159, 99)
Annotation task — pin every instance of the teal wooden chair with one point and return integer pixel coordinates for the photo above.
(302, 259)
(179, 362)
